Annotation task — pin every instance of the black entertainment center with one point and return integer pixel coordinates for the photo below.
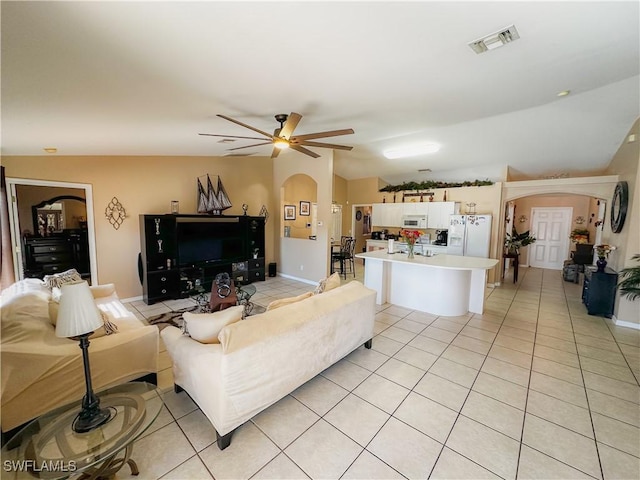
(182, 252)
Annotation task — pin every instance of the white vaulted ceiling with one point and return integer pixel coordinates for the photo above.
(144, 78)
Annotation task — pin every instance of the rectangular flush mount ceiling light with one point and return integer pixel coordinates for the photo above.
(411, 151)
(495, 40)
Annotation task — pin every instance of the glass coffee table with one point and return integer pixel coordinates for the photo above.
(49, 448)
(244, 293)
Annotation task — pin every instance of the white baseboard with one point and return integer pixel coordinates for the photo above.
(624, 323)
(131, 299)
(303, 280)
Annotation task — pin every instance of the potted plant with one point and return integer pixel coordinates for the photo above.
(514, 242)
(630, 284)
(579, 235)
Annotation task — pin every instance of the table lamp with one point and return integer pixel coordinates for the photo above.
(78, 317)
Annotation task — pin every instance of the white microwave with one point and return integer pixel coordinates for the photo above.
(414, 221)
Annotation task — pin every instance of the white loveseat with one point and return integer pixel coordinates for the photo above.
(262, 358)
(41, 371)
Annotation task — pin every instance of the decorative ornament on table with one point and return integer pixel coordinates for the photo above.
(410, 236)
(603, 251)
(245, 207)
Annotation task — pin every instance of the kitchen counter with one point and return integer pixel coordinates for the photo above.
(447, 285)
(400, 246)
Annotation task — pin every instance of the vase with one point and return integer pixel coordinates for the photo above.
(410, 250)
(601, 263)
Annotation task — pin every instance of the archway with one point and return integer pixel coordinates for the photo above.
(587, 196)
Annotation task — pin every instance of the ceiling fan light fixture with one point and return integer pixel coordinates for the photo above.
(411, 151)
(281, 143)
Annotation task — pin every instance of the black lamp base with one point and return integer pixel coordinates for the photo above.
(87, 420)
(91, 416)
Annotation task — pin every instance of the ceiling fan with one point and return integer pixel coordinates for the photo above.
(283, 138)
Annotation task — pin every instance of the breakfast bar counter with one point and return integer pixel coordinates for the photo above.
(446, 285)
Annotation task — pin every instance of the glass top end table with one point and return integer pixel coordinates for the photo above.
(49, 448)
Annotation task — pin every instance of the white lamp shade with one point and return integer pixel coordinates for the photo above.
(77, 313)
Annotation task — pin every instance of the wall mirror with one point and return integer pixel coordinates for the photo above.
(55, 215)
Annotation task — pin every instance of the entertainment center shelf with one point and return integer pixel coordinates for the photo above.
(182, 252)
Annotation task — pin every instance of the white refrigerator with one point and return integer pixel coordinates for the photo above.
(469, 235)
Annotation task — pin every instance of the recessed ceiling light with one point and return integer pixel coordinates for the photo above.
(51, 150)
(411, 151)
(563, 93)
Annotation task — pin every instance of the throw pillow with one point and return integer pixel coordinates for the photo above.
(329, 283)
(205, 327)
(59, 279)
(287, 301)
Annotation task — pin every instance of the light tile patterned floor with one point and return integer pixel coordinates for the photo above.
(534, 388)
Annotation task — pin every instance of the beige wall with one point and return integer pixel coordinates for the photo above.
(299, 188)
(340, 197)
(147, 185)
(626, 163)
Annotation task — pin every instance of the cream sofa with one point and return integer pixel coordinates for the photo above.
(41, 372)
(262, 358)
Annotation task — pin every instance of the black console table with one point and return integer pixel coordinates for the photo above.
(599, 291)
(180, 252)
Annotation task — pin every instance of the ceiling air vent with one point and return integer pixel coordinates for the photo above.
(495, 40)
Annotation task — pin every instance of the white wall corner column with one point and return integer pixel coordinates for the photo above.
(304, 259)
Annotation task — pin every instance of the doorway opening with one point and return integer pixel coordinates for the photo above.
(54, 212)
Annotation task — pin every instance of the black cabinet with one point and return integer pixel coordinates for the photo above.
(256, 269)
(55, 254)
(599, 291)
(160, 275)
(181, 252)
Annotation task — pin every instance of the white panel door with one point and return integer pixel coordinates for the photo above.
(551, 227)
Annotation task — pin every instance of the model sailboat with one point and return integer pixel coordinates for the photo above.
(212, 200)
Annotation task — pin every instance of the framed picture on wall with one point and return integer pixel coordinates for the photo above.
(305, 208)
(289, 212)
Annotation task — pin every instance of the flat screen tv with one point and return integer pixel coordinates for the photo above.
(209, 240)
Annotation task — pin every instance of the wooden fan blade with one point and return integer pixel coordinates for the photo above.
(300, 149)
(289, 126)
(230, 136)
(324, 145)
(332, 133)
(249, 146)
(268, 135)
(276, 152)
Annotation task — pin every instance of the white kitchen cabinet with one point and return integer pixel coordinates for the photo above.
(439, 213)
(387, 214)
(415, 208)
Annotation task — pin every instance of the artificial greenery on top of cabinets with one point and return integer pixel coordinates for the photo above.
(430, 184)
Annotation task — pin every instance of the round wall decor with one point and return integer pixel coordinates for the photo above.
(358, 215)
(619, 206)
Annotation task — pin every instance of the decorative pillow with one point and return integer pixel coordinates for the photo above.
(329, 283)
(287, 301)
(205, 327)
(59, 279)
